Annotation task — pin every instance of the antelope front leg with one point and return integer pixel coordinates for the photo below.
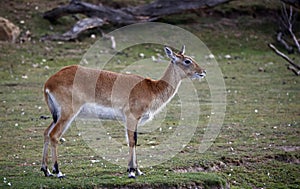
(132, 139)
(132, 162)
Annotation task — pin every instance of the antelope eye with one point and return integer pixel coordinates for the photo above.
(187, 61)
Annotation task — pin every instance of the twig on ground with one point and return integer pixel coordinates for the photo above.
(284, 43)
(294, 67)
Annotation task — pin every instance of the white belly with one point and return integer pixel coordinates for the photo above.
(93, 110)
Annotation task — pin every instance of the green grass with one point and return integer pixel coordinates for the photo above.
(258, 146)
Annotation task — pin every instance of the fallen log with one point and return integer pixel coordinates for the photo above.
(161, 8)
(130, 15)
(123, 16)
(79, 27)
(109, 14)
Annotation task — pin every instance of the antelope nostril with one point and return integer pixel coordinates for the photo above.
(204, 71)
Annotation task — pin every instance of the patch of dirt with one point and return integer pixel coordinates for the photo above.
(289, 148)
(189, 170)
(233, 161)
(288, 158)
(213, 167)
(189, 185)
(283, 157)
(244, 161)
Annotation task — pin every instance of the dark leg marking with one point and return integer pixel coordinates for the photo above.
(55, 168)
(135, 137)
(131, 170)
(45, 171)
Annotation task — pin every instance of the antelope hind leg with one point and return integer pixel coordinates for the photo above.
(44, 167)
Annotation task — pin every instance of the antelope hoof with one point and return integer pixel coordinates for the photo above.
(60, 175)
(139, 172)
(47, 172)
(131, 175)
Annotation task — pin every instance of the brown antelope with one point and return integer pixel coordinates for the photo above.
(76, 90)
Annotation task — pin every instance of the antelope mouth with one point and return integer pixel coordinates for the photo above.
(199, 75)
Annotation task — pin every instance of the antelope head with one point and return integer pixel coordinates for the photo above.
(188, 66)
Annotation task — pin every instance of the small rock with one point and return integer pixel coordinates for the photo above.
(93, 36)
(8, 31)
(227, 56)
(261, 69)
(44, 117)
(142, 55)
(153, 59)
(222, 164)
(35, 65)
(24, 76)
(95, 160)
(210, 56)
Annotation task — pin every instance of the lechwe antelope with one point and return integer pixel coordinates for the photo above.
(76, 90)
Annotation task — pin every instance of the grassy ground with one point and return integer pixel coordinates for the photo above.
(258, 146)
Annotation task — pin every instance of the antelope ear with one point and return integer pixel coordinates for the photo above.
(182, 51)
(170, 54)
